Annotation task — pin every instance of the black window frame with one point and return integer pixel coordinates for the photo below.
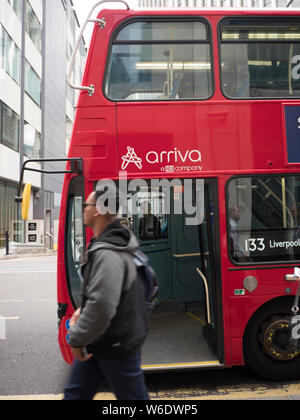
(166, 18)
(242, 41)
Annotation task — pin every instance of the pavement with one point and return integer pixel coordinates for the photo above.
(289, 393)
(26, 255)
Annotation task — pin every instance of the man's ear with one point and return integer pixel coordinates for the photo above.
(95, 214)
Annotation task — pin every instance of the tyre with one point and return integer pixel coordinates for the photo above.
(266, 341)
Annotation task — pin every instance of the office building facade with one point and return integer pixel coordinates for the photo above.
(36, 110)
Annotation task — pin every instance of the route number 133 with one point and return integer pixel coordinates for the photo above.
(255, 244)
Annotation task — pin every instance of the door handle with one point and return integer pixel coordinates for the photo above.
(197, 254)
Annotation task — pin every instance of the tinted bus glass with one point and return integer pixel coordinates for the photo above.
(264, 219)
(163, 31)
(160, 61)
(147, 214)
(75, 237)
(260, 58)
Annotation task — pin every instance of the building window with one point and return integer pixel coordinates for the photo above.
(32, 84)
(17, 6)
(260, 58)
(33, 27)
(160, 60)
(9, 127)
(72, 26)
(69, 128)
(9, 55)
(10, 219)
(64, 3)
(32, 142)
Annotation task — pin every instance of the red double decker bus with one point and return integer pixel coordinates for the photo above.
(196, 114)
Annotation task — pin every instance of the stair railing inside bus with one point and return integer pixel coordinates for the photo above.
(90, 89)
(76, 166)
(206, 294)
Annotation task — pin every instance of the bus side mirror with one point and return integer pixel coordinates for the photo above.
(26, 201)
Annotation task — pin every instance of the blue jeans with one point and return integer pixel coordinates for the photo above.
(124, 376)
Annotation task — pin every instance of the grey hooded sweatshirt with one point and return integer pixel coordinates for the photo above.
(113, 318)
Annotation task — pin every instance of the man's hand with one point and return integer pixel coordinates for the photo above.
(75, 317)
(78, 354)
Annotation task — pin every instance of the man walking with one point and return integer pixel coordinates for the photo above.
(107, 332)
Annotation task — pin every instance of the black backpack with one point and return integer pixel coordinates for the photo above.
(147, 278)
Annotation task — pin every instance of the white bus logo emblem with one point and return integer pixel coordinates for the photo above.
(131, 157)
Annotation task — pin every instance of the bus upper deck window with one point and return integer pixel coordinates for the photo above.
(160, 60)
(260, 58)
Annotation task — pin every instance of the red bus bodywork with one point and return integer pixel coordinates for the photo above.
(234, 136)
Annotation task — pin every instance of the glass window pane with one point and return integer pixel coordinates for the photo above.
(261, 70)
(260, 58)
(149, 224)
(2, 215)
(75, 246)
(32, 139)
(147, 213)
(163, 31)
(32, 84)
(16, 55)
(10, 219)
(9, 55)
(77, 230)
(264, 219)
(10, 128)
(17, 6)
(1, 47)
(271, 30)
(75, 237)
(14, 222)
(160, 72)
(8, 45)
(33, 27)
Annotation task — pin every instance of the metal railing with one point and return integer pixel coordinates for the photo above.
(6, 240)
(101, 22)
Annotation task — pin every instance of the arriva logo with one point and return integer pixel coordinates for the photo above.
(164, 157)
(131, 157)
(174, 156)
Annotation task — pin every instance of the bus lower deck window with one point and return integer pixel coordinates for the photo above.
(263, 219)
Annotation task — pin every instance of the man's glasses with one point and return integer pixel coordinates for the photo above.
(85, 205)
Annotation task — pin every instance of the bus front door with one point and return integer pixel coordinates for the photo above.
(186, 329)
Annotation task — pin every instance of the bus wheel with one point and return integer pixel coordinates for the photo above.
(266, 342)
